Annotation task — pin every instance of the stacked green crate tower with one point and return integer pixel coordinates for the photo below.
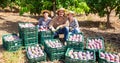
(29, 35)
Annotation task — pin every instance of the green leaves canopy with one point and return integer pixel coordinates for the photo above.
(35, 6)
(103, 7)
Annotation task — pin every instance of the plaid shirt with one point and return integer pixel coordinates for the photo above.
(74, 24)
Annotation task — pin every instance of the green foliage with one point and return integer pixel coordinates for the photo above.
(79, 6)
(5, 3)
(104, 7)
(35, 6)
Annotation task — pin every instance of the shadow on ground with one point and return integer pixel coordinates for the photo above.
(1, 48)
(9, 26)
(89, 24)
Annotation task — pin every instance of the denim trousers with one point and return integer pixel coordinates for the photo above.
(64, 31)
(75, 30)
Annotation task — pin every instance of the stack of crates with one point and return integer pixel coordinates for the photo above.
(75, 41)
(54, 50)
(76, 55)
(35, 54)
(11, 42)
(28, 33)
(42, 35)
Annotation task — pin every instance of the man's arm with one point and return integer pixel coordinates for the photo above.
(51, 24)
(66, 24)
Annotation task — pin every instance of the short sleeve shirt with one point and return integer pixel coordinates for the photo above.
(42, 22)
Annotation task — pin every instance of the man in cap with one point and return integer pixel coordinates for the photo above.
(59, 24)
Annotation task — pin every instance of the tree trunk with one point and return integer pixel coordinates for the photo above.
(54, 7)
(108, 20)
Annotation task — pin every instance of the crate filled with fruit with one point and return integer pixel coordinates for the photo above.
(44, 33)
(95, 43)
(11, 42)
(80, 56)
(75, 40)
(28, 32)
(35, 53)
(105, 57)
(54, 46)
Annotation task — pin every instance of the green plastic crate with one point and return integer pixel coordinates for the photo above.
(71, 60)
(30, 41)
(46, 33)
(35, 60)
(54, 50)
(29, 32)
(89, 38)
(56, 56)
(100, 60)
(43, 35)
(11, 45)
(28, 35)
(75, 44)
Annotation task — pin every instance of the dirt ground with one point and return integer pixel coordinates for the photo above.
(89, 25)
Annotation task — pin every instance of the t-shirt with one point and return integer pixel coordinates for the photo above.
(42, 22)
(56, 21)
(74, 23)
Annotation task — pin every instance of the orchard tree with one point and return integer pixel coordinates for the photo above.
(104, 7)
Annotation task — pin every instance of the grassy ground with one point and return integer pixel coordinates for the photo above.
(90, 25)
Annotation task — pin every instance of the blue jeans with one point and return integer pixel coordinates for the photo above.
(64, 31)
(75, 30)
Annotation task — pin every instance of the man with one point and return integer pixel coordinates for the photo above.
(59, 24)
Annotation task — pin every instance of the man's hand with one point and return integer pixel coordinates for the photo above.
(70, 28)
(52, 28)
(59, 27)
